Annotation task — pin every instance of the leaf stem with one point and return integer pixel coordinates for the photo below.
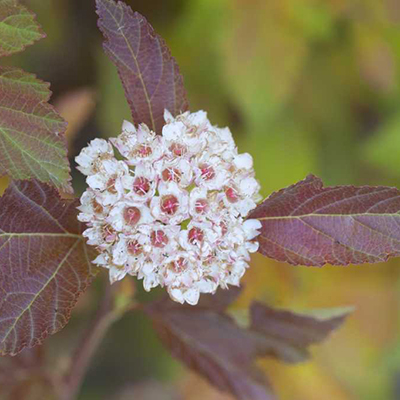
(105, 317)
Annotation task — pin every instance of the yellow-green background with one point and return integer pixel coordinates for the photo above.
(305, 86)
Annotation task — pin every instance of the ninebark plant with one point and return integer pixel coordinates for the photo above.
(46, 264)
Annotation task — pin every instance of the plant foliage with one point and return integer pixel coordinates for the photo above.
(308, 224)
(45, 264)
(149, 74)
(32, 144)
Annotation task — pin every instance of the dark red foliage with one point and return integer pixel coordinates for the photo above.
(149, 74)
(212, 344)
(44, 264)
(309, 224)
(209, 340)
(290, 334)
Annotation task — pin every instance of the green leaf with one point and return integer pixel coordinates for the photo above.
(32, 145)
(18, 28)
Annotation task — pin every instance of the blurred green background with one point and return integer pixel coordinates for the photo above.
(305, 86)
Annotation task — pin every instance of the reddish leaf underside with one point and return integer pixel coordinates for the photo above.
(44, 264)
(18, 28)
(32, 144)
(309, 224)
(149, 74)
(210, 342)
(290, 334)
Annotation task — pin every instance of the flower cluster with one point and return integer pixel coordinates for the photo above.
(172, 209)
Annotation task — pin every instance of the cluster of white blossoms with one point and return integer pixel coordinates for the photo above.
(172, 209)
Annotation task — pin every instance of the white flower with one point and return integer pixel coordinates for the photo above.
(171, 205)
(251, 228)
(182, 138)
(163, 240)
(101, 235)
(90, 157)
(138, 145)
(211, 171)
(91, 209)
(178, 170)
(111, 181)
(150, 275)
(243, 161)
(130, 251)
(117, 272)
(126, 216)
(173, 211)
(190, 295)
(241, 194)
(221, 143)
(200, 204)
(235, 271)
(144, 183)
(198, 237)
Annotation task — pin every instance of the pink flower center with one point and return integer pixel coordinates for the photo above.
(134, 247)
(169, 204)
(178, 149)
(196, 235)
(224, 228)
(143, 151)
(132, 215)
(180, 265)
(109, 234)
(201, 206)
(171, 175)
(159, 239)
(191, 129)
(232, 195)
(111, 186)
(207, 172)
(141, 186)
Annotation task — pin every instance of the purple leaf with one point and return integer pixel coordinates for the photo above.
(18, 28)
(289, 334)
(44, 264)
(223, 347)
(211, 343)
(32, 143)
(221, 300)
(150, 75)
(309, 224)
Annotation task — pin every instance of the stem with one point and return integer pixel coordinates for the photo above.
(89, 343)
